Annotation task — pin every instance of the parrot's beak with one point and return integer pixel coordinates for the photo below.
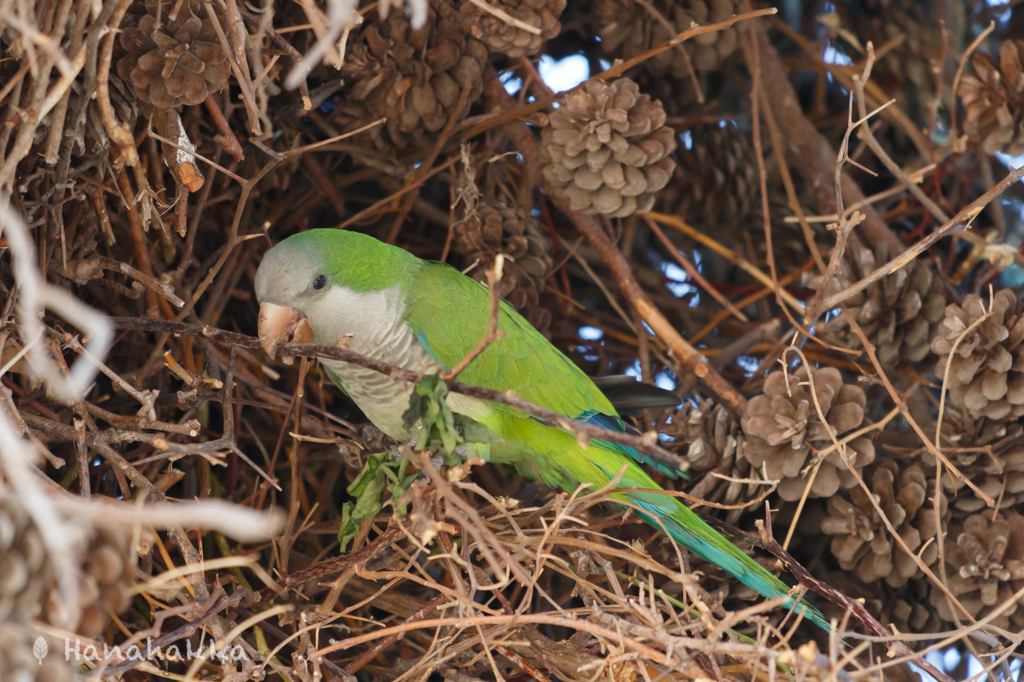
(280, 324)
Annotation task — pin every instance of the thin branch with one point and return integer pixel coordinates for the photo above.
(493, 333)
(961, 219)
(584, 432)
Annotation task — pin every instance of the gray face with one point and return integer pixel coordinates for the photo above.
(288, 276)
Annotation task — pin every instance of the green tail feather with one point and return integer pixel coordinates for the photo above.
(701, 539)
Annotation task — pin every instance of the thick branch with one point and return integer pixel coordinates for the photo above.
(817, 158)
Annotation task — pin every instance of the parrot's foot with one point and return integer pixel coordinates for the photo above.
(396, 450)
(436, 462)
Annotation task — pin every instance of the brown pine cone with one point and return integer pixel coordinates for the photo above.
(25, 573)
(984, 569)
(861, 541)
(628, 29)
(106, 580)
(170, 63)
(782, 423)
(715, 183)
(413, 77)
(715, 188)
(679, 96)
(498, 228)
(504, 38)
(27, 656)
(910, 610)
(28, 583)
(990, 453)
(994, 99)
(898, 314)
(709, 437)
(986, 376)
(707, 433)
(606, 149)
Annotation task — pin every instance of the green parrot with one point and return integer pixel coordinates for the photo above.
(324, 285)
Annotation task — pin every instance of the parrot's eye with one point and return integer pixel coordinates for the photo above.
(320, 282)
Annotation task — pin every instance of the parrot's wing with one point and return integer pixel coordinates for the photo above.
(449, 313)
(631, 397)
(334, 378)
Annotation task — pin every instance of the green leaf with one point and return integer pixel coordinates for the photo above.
(442, 429)
(380, 474)
(358, 485)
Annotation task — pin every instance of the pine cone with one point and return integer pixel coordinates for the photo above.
(497, 228)
(782, 424)
(715, 188)
(28, 583)
(679, 96)
(25, 573)
(985, 568)
(986, 376)
(715, 182)
(990, 453)
(170, 63)
(106, 580)
(898, 314)
(606, 150)
(26, 656)
(413, 77)
(994, 99)
(707, 433)
(908, 608)
(504, 38)
(861, 541)
(709, 437)
(628, 29)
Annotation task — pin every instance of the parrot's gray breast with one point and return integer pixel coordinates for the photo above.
(376, 322)
(378, 329)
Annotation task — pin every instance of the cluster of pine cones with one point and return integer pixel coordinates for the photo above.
(789, 434)
(29, 592)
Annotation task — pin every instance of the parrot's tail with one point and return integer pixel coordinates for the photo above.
(701, 539)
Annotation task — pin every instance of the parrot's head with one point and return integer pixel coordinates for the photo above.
(318, 285)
